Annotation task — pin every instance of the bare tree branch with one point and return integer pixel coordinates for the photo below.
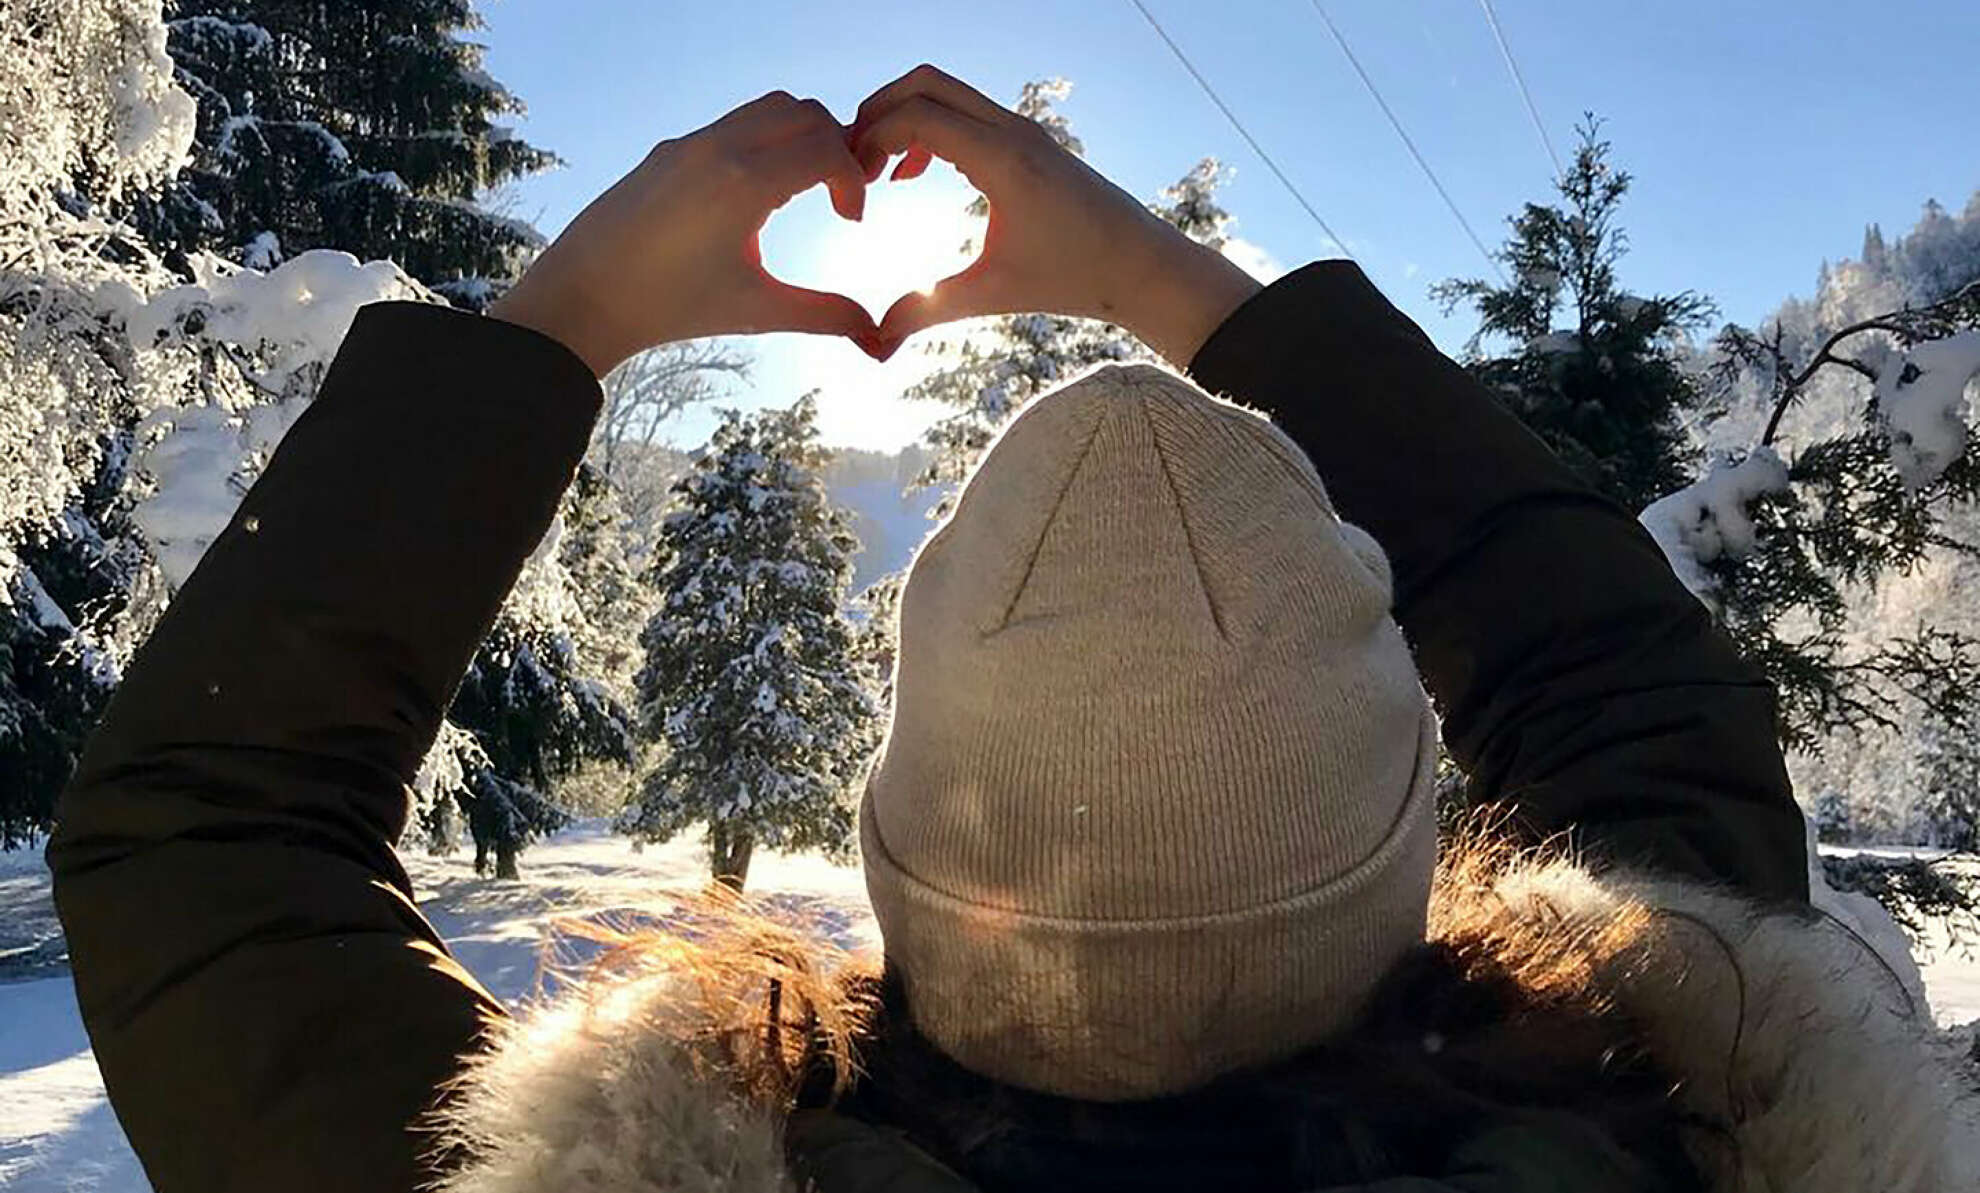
(653, 387)
(1906, 324)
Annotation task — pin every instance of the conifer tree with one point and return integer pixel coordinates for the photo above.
(1951, 765)
(755, 685)
(1780, 538)
(1862, 604)
(89, 117)
(1847, 512)
(1608, 390)
(535, 720)
(369, 128)
(612, 602)
(373, 129)
(66, 608)
(1822, 512)
(102, 523)
(1777, 547)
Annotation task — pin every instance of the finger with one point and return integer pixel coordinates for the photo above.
(914, 165)
(780, 306)
(765, 112)
(825, 148)
(974, 291)
(821, 156)
(928, 82)
(812, 116)
(872, 161)
(974, 147)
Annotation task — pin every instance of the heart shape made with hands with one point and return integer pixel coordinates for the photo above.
(913, 235)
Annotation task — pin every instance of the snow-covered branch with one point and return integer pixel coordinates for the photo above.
(1709, 519)
(1921, 404)
(286, 326)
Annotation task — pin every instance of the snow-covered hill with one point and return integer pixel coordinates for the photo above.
(890, 520)
(58, 1135)
(1876, 776)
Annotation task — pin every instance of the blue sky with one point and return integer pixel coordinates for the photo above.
(1763, 134)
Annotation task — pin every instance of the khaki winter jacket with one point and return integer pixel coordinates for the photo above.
(271, 1011)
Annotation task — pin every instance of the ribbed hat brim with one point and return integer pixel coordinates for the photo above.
(1119, 1010)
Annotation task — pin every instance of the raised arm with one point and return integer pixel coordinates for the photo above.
(1579, 682)
(268, 1007)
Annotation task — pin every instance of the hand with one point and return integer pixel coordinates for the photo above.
(1062, 239)
(671, 252)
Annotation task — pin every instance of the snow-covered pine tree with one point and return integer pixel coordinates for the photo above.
(369, 128)
(754, 685)
(134, 413)
(998, 365)
(527, 714)
(1191, 205)
(377, 132)
(1775, 546)
(1608, 392)
(1890, 796)
(531, 714)
(67, 609)
(878, 611)
(1831, 816)
(533, 720)
(88, 117)
(1950, 809)
(613, 604)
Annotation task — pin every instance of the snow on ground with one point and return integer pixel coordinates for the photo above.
(1951, 969)
(1952, 984)
(58, 1135)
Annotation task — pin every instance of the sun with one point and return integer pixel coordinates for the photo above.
(912, 237)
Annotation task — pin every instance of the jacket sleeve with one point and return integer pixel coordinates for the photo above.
(267, 1005)
(1580, 684)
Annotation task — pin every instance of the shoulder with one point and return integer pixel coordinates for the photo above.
(1814, 1069)
(1779, 1025)
(612, 1088)
(672, 1064)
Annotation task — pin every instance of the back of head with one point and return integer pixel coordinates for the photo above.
(1156, 804)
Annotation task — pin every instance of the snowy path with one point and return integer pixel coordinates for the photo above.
(57, 1134)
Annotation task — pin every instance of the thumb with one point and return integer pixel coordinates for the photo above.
(964, 295)
(784, 307)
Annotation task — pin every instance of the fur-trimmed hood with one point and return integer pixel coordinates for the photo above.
(1783, 1025)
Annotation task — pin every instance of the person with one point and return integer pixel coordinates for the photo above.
(1152, 843)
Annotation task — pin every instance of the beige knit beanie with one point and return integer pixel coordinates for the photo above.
(1157, 801)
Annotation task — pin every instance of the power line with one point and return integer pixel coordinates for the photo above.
(1239, 126)
(1539, 126)
(1407, 142)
